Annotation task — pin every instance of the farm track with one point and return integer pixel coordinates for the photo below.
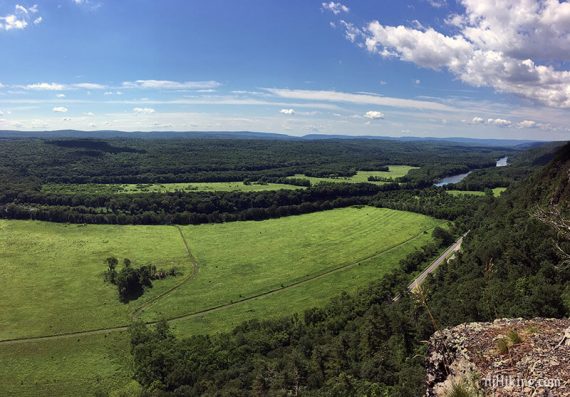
(122, 328)
(193, 274)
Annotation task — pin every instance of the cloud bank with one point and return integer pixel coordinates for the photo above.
(513, 46)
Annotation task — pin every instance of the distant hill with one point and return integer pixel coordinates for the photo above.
(106, 134)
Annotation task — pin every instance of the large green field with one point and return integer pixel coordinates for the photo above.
(394, 171)
(54, 284)
(496, 192)
(126, 188)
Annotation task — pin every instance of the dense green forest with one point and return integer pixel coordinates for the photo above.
(27, 164)
(514, 263)
(211, 160)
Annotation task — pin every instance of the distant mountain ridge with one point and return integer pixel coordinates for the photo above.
(106, 134)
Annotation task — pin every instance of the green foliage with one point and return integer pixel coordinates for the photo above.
(503, 346)
(460, 389)
(444, 236)
(192, 181)
(514, 337)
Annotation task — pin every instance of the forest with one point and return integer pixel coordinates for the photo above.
(27, 164)
(514, 264)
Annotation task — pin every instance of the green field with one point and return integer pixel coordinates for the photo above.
(496, 192)
(395, 171)
(90, 188)
(246, 270)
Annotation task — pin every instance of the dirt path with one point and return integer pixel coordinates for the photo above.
(122, 328)
(193, 274)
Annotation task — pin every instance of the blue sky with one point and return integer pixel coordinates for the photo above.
(416, 68)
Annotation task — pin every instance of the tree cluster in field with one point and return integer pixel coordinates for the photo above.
(131, 282)
(379, 179)
(514, 263)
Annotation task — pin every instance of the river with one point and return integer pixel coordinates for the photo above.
(449, 180)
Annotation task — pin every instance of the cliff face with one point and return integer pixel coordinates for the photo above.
(504, 358)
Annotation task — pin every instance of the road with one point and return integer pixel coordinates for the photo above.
(435, 264)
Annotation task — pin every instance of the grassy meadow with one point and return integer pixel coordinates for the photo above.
(126, 188)
(246, 270)
(496, 192)
(394, 171)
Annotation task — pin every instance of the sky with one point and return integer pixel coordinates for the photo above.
(469, 68)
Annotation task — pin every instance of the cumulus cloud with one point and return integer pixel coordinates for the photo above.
(527, 124)
(499, 122)
(60, 109)
(512, 46)
(335, 8)
(289, 112)
(20, 18)
(172, 85)
(374, 115)
(477, 120)
(143, 110)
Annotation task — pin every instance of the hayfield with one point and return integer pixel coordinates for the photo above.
(90, 188)
(394, 171)
(246, 270)
(496, 192)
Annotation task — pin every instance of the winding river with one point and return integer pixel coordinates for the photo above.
(449, 180)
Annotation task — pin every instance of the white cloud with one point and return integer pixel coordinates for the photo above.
(437, 3)
(351, 32)
(499, 122)
(143, 110)
(335, 8)
(527, 124)
(45, 87)
(172, 85)
(60, 109)
(374, 115)
(363, 99)
(21, 9)
(90, 114)
(289, 112)
(89, 86)
(477, 120)
(19, 19)
(509, 45)
(60, 95)
(418, 82)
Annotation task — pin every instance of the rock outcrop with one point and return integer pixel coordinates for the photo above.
(505, 358)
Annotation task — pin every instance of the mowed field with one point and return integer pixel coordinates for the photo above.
(54, 284)
(496, 192)
(394, 171)
(89, 188)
